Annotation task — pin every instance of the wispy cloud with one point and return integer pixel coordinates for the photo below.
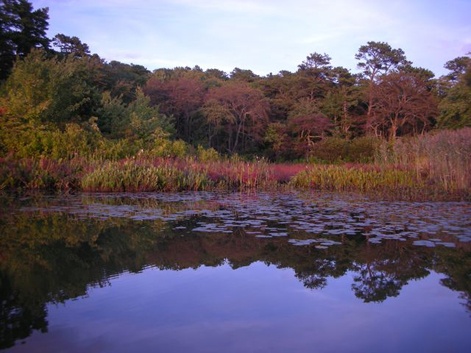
(265, 36)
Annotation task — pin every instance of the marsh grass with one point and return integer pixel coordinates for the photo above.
(239, 175)
(39, 174)
(434, 166)
(137, 176)
(442, 159)
(360, 178)
(380, 183)
(158, 174)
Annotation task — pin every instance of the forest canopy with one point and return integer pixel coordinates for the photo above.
(59, 100)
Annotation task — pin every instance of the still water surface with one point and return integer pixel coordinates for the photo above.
(211, 272)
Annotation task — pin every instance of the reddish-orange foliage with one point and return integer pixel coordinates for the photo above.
(282, 173)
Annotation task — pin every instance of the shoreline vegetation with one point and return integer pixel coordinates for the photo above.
(71, 121)
(429, 167)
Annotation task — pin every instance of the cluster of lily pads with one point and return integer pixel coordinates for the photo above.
(317, 219)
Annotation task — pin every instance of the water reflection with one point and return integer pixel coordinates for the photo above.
(53, 249)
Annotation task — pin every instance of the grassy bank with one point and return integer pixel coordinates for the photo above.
(428, 167)
(142, 175)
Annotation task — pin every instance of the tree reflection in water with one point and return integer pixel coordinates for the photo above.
(50, 257)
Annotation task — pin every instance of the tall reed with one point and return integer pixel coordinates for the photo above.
(129, 175)
(40, 174)
(442, 158)
(361, 178)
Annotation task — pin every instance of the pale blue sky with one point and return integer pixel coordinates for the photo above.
(262, 35)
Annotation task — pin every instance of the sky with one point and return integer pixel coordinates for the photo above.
(265, 36)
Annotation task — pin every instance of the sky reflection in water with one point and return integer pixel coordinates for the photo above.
(253, 309)
(295, 273)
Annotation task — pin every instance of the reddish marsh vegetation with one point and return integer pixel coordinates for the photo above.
(434, 166)
(147, 174)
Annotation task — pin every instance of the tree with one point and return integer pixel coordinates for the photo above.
(455, 106)
(112, 116)
(181, 97)
(377, 58)
(458, 67)
(281, 92)
(277, 142)
(138, 120)
(243, 75)
(308, 124)
(121, 80)
(316, 61)
(43, 97)
(43, 90)
(342, 103)
(314, 76)
(145, 121)
(402, 100)
(216, 73)
(238, 114)
(21, 29)
(70, 45)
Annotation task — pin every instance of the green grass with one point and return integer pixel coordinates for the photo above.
(131, 176)
(350, 178)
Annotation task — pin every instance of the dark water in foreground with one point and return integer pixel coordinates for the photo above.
(211, 272)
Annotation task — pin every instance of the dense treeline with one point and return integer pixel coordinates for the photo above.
(57, 100)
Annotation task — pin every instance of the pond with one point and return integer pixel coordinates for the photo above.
(233, 272)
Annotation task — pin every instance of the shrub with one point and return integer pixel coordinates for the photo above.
(362, 149)
(335, 150)
(329, 150)
(207, 155)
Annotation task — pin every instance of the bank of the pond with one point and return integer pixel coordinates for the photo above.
(160, 174)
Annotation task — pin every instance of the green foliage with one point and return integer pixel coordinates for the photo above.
(45, 90)
(48, 111)
(335, 150)
(363, 149)
(458, 68)
(21, 29)
(145, 121)
(122, 80)
(274, 141)
(71, 45)
(112, 116)
(379, 57)
(164, 147)
(455, 108)
(238, 115)
(207, 155)
(48, 141)
(329, 150)
(139, 123)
